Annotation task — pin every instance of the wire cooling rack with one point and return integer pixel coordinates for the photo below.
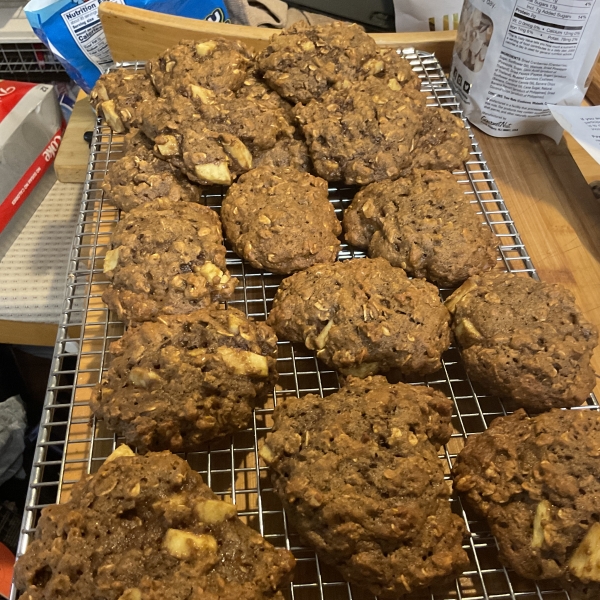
(29, 61)
(72, 444)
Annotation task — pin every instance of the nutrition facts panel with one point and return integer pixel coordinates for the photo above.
(548, 28)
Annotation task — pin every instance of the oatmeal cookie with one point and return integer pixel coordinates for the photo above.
(220, 65)
(260, 122)
(280, 219)
(205, 156)
(359, 476)
(304, 61)
(524, 340)
(166, 257)
(186, 379)
(424, 224)
(537, 482)
(363, 316)
(148, 527)
(442, 143)
(362, 133)
(139, 176)
(214, 139)
(387, 64)
(119, 95)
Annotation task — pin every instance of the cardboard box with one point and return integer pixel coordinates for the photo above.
(31, 128)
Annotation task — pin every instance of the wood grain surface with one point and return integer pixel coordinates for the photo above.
(137, 34)
(555, 212)
(71, 162)
(593, 93)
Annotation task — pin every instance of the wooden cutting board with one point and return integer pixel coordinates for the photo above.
(548, 197)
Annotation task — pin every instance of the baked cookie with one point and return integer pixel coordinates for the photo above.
(139, 177)
(260, 122)
(203, 155)
(280, 219)
(524, 340)
(220, 65)
(388, 64)
(255, 88)
(303, 61)
(148, 527)
(214, 139)
(442, 143)
(186, 379)
(359, 476)
(363, 133)
(424, 224)
(166, 257)
(537, 482)
(119, 95)
(363, 316)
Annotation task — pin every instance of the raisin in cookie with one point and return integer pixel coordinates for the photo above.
(303, 61)
(187, 379)
(221, 65)
(363, 316)
(424, 224)
(148, 527)
(119, 95)
(280, 219)
(139, 176)
(359, 476)
(524, 340)
(537, 482)
(362, 133)
(166, 257)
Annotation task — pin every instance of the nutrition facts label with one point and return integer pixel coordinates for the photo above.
(86, 30)
(548, 28)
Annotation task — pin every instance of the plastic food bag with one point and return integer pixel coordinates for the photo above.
(427, 15)
(73, 32)
(512, 59)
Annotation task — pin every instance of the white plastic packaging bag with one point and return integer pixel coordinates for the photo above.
(514, 57)
(427, 15)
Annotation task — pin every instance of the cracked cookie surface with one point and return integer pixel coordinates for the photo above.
(119, 95)
(139, 176)
(360, 478)
(363, 316)
(166, 257)
(214, 139)
(183, 380)
(280, 219)
(442, 143)
(524, 340)
(423, 223)
(364, 132)
(220, 65)
(148, 527)
(303, 61)
(536, 481)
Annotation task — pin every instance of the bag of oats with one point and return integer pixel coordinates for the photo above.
(514, 57)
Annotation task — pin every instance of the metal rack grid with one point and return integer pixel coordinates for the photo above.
(71, 444)
(29, 61)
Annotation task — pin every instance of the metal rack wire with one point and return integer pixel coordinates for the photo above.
(71, 444)
(29, 61)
